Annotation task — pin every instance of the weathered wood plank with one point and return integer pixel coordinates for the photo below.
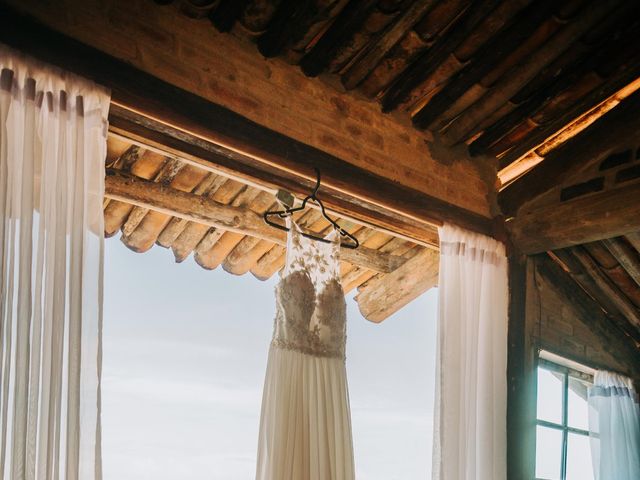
(385, 296)
(622, 303)
(557, 78)
(585, 219)
(628, 257)
(204, 210)
(348, 21)
(431, 59)
(348, 191)
(376, 52)
(288, 24)
(486, 58)
(618, 128)
(249, 148)
(512, 81)
(614, 83)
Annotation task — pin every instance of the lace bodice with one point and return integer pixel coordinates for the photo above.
(310, 304)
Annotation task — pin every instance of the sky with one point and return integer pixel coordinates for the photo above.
(185, 353)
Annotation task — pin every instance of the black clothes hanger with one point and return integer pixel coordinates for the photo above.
(288, 212)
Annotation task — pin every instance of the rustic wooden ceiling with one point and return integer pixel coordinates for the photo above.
(609, 271)
(503, 77)
(155, 199)
(535, 86)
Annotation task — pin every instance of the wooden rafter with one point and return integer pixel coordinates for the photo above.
(383, 296)
(585, 219)
(210, 156)
(381, 47)
(606, 324)
(628, 257)
(246, 144)
(618, 129)
(602, 282)
(204, 210)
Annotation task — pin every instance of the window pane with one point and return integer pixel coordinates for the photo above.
(550, 396)
(548, 453)
(578, 414)
(579, 465)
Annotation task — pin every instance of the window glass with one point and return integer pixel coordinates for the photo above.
(548, 453)
(579, 465)
(578, 414)
(550, 385)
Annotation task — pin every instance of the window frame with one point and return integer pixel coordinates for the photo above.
(564, 427)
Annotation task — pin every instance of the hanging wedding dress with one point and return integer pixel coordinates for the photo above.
(305, 427)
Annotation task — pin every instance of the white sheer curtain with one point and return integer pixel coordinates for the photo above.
(470, 434)
(614, 423)
(52, 151)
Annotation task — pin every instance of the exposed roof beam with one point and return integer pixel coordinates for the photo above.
(381, 297)
(173, 142)
(585, 219)
(614, 84)
(194, 116)
(628, 257)
(364, 65)
(606, 325)
(200, 209)
(611, 291)
(619, 128)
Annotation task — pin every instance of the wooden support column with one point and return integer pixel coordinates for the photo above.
(521, 378)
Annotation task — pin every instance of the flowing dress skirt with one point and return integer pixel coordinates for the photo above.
(305, 427)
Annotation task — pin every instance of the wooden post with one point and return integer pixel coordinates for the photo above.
(521, 381)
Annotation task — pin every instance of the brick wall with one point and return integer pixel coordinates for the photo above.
(556, 326)
(229, 71)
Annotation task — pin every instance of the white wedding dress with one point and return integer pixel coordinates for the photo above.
(305, 426)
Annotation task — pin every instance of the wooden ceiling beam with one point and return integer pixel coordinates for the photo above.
(485, 59)
(598, 216)
(288, 24)
(433, 57)
(604, 284)
(510, 83)
(200, 209)
(536, 94)
(588, 308)
(392, 35)
(352, 203)
(246, 145)
(615, 83)
(381, 297)
(348, 21)
(620, 127)
(626, 255)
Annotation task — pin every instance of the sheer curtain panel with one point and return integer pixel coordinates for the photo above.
(52, 149)
(614, 424)
(470, 433)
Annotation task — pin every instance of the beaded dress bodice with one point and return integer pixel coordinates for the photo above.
(310, 304)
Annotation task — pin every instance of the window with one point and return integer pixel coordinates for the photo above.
(562, 425)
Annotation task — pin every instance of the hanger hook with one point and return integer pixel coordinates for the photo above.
(317, 187)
